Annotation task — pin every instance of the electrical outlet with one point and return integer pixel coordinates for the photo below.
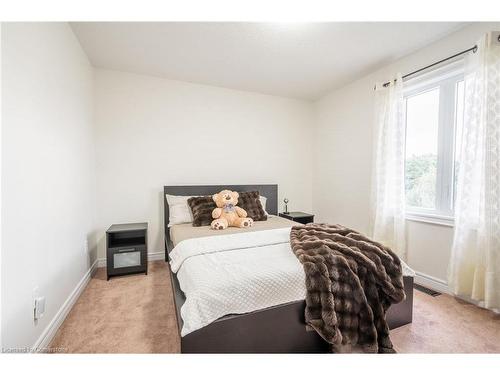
(39, 309)
(35, 294)
(86, 246)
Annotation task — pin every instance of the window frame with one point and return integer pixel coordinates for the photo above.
(446, 78)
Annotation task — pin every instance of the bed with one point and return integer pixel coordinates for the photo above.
(275, 329)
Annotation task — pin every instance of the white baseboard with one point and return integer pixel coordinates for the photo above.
(101, 262)
(431, 282)
(51, 329)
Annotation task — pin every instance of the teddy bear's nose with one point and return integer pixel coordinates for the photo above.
(228, 197)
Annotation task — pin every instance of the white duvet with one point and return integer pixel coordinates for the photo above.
(236, 274)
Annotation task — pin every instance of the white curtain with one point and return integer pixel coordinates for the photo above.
(388, 192)
(474, 271)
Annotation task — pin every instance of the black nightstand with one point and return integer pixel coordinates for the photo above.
(299, 217)
(127, 249)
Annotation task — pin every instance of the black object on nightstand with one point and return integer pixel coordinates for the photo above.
(299, 217)
(127, 249)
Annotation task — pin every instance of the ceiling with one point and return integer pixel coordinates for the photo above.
(300, 60)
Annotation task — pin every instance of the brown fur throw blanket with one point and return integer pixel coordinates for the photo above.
(351, 281)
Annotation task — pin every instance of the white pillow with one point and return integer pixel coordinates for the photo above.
(178, 209)
(263, 201)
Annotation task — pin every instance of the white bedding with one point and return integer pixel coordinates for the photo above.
(236, 274)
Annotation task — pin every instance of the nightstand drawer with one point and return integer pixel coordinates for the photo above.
(127, 258)
(124, 260)
(304, 220)
(299, 217)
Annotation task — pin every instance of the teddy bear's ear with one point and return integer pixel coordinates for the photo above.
(235, 194)
(215, 197)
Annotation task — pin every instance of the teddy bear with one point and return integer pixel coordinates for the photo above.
(227, 214)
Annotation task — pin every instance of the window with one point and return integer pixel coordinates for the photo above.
(434, 118)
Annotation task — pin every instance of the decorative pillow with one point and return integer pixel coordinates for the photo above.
(251, 203)
(178, 209)
(201, 209)
(263, 201)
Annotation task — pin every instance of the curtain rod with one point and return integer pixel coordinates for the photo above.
(473, 49)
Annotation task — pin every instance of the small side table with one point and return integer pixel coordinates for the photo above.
(299, 217)
(127, 249)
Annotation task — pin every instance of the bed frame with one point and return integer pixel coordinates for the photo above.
(277, 329)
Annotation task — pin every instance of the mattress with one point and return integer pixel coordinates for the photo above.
(238, 272)
(181, 232)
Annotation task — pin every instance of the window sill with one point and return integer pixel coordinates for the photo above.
(446, 221)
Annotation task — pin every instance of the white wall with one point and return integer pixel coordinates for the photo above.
(343, 154)
(48, 180)
(153, 132)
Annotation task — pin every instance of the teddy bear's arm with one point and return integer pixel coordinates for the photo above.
(216, 213)
(241, 212)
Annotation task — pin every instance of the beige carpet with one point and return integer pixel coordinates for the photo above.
(445, 324)
(135, 314)
(128, 314)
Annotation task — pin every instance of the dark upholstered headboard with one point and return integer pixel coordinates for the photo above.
(268, 191)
